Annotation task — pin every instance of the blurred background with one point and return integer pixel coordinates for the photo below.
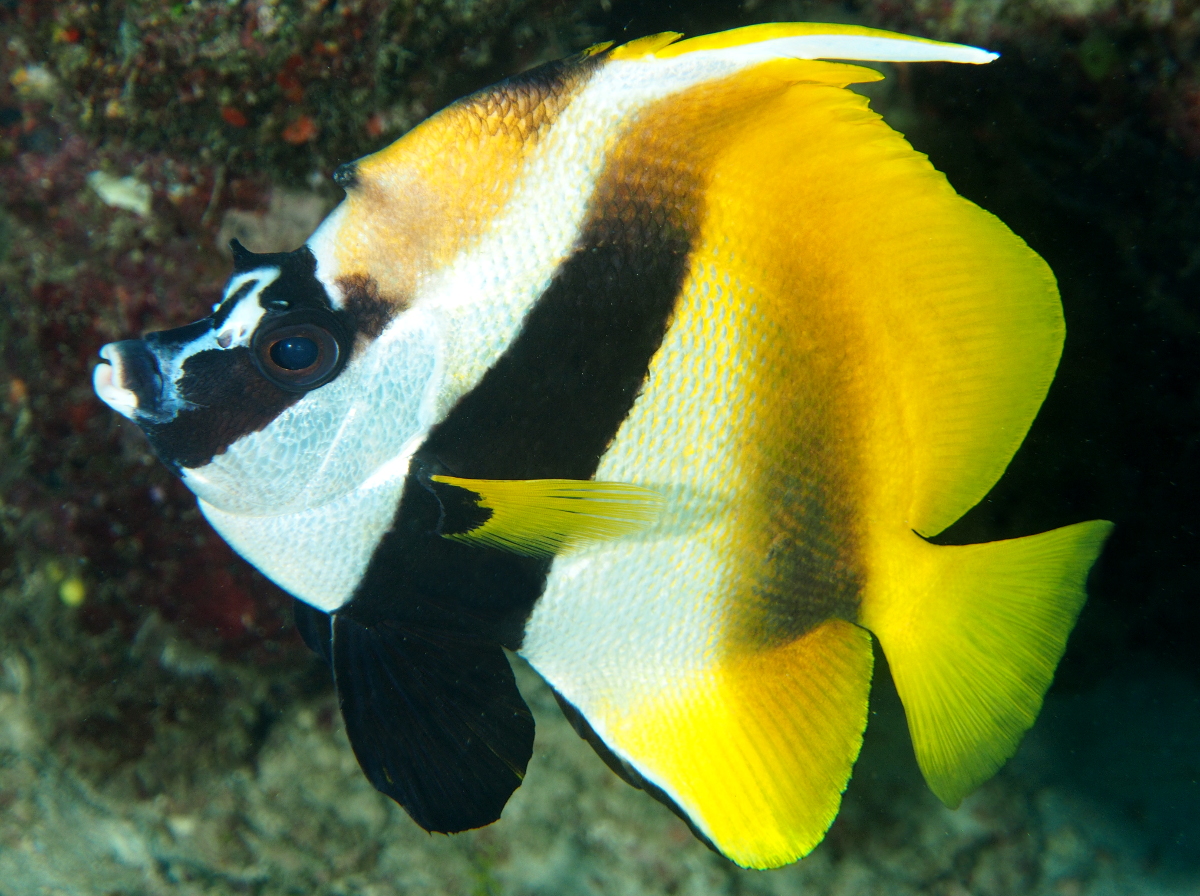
(162, 728)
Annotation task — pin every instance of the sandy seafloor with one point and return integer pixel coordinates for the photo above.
(163, 731)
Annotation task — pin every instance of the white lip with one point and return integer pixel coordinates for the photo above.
(106, 381)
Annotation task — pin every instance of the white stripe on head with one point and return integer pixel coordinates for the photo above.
(237, 330)
(242, 321)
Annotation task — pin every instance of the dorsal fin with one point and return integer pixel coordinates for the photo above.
(805, 40)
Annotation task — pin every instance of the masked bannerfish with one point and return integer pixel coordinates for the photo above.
(656, 365)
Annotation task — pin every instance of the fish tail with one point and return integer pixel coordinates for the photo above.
(973, 634)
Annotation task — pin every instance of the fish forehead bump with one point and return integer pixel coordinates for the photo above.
(415, 204)
(511, 166)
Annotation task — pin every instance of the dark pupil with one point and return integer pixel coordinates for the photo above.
(295, 353)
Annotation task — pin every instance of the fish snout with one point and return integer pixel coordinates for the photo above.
(128, 379)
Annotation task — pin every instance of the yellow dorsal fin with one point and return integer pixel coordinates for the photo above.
(645, 46)
(543, 517)
(596, 49)
(973, 634)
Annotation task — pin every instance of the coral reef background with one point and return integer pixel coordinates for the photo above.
(162, 729)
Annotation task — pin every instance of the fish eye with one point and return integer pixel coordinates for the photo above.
(299, 357)
(295, 353)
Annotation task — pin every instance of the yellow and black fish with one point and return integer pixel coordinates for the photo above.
(655, 365)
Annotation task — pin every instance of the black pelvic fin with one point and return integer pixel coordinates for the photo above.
(435, 719)
(316, 630)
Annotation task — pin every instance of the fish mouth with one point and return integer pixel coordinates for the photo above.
(127, 379)
(107, 381)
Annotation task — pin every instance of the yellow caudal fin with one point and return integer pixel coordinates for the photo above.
(758, 751)
(542, 517)
(973, 634)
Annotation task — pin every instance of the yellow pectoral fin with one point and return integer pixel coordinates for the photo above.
(973, 634)
(543, 517)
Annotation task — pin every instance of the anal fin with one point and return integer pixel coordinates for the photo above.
(758, 753)
(435, 719)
